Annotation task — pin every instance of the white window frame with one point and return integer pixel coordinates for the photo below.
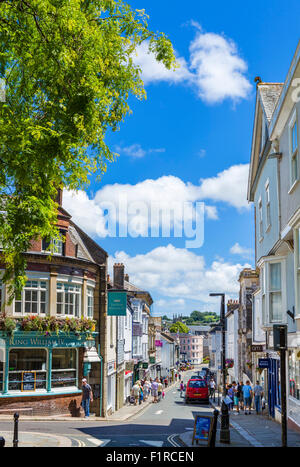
(264, 266)
(39, 289)
(76, 292)
(90, 291)
(268, 205)
(260, 219)
(293, 153)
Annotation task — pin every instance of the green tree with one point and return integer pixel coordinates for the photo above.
(180, 327)
(68, 68)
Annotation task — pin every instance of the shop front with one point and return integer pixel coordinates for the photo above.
(42, 372)
(294, 387)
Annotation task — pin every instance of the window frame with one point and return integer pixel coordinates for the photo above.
(63, 303)
(293, 152)
(31, 289)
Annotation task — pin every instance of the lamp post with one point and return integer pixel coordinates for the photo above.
(224, 432)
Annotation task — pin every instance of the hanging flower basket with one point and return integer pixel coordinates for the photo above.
(249, 364)
(229, 363)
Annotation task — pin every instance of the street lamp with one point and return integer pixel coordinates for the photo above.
(224, 432)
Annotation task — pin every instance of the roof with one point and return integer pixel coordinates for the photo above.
(167, 337)
(269, 94)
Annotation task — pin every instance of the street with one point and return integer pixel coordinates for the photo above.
(156, 426)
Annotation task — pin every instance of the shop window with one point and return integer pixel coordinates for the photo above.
(25, 360)
(68, 299)
(32, 299)
(64, 366)
(1, 369)
(294, 373)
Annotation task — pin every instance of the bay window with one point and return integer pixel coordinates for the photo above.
(68, 299)
(32, 299)
(275, 293)
(273, 290)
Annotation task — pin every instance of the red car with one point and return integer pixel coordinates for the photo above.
(196, 390)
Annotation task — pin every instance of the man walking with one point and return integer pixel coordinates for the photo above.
(159, 390)
(247, 393)
(258, 393)
(87, 397)
(212, 388)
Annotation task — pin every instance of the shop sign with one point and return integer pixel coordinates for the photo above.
(111, 368)
(257, 348)
(152, 360)
(263, 363)
(145, 365)
(22, 340)
(158, 344)
(117, 303)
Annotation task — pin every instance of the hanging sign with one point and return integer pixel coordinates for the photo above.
(117, 303)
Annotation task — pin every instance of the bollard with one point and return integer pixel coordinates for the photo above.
(2, 442)
(224, 431)
(212, 439)
(16, 430)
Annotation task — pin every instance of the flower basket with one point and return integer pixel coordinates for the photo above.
(229, 363)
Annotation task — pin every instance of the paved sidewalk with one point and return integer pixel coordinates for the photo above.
(125, 413)
(258, 430)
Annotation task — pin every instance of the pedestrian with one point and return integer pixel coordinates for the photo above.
(141, 395)
(179, 376)
(159, 390)
(87, 397)
(166, 382)
(247, 394)
(258, 394)
(136, 392)
(230, 394)
(236, 400)
(240, 394)
(181, 388)
(212, 387)
(154, 390)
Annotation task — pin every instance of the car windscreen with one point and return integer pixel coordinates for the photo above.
(196, 384)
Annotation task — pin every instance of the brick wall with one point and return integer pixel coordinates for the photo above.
(43, 405)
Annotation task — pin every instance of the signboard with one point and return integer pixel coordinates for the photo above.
(263, 363)
(257, 348)
(28, 381)
(202, 427)
(117, 303)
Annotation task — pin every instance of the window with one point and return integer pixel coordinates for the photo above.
(32, 299)
(90, 302)
(27, 360)
(68, 299)
(268, 207)
(260, 218)
(275, 293)
(294, 149)
(63, 368)
(56, 245)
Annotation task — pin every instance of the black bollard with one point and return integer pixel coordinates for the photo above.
(16, 430)
(212, 439)
(224, 431)
(2, 442)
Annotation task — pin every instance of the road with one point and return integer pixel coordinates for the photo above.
(157, 426)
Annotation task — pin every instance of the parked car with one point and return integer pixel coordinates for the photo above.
(196, 389)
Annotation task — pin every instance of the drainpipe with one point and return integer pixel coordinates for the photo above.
(101, 379)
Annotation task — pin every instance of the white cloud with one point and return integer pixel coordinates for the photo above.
(179, 274)
(136, 150)
(228, 186)
(237, 249)
(215, 70)
(130, 205)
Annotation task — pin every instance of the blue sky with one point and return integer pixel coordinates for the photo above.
(190, 141)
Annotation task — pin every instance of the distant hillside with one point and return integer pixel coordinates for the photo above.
(202, 318)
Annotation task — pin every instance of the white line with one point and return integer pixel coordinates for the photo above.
(158, 412)
(99, 442)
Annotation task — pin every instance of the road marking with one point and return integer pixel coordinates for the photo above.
(172, 441)
(157, 444)
(191, 429)
(158, 412)
(99, 442)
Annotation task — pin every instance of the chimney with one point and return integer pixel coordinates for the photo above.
(126, 277)
(119, 275)
(59, 196)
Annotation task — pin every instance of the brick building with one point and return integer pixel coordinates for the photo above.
(41, 369)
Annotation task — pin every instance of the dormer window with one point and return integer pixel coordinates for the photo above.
(56, 246)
